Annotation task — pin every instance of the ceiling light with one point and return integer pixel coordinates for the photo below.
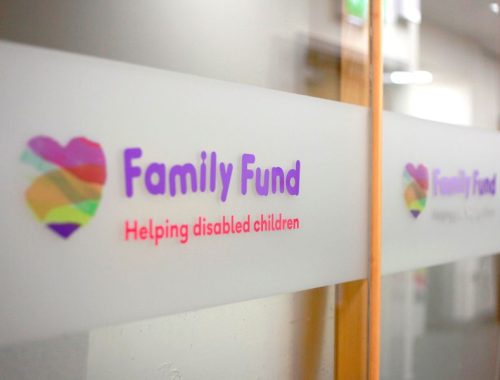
(494, 7)
(408, 77)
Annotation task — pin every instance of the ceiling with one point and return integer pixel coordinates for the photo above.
(470, 18)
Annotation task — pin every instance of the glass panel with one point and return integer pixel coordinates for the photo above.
(442, 63)
(442, 322)
(315, 47)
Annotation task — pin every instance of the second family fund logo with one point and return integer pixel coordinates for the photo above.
(418, 181)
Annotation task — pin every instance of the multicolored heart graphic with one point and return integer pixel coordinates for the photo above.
(67, 193)
(416, 180)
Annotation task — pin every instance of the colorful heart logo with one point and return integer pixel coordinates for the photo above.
(416, 180)
(67, 193)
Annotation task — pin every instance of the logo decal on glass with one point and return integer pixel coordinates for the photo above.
(416, 180)
(66, 193)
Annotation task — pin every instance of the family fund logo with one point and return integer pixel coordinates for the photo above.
(67, 192)
(416, 180)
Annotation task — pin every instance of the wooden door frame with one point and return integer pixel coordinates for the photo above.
(357, 315)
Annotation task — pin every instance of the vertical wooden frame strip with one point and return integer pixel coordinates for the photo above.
(376, 105)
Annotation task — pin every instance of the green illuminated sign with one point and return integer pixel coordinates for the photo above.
(357, 8)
